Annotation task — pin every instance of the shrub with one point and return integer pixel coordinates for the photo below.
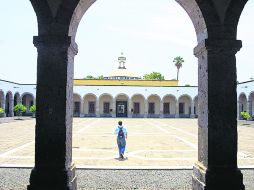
(1, 110)
(19, 109)
(245, 115)
(32, 109)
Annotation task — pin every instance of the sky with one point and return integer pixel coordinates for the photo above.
(150, 33)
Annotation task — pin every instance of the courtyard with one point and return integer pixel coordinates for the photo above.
(151, 143)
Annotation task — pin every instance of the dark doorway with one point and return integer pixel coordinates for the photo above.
(136, 108)
(121, 109)
(166, 107)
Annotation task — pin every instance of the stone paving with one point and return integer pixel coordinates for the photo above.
(151, 143)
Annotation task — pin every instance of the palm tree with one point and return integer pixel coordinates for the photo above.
(178, 63)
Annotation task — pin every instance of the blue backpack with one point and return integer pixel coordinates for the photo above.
(120, 133)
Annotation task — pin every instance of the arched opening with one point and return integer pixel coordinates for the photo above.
(90, 105)
(9, 104)
(138, 106)
(251, 104)
(122, 105)
(153, 106)
(76, 105)
(106, 105)
(184, 105)
(242, 103)
(27, 101)
(2, 99)
(219, 165)
(169, 106)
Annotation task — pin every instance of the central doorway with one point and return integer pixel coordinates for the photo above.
(121, 109)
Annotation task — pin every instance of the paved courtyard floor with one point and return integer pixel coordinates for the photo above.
(151, 143)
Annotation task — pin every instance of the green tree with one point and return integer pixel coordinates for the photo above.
(19, 109)
(178, 63)
(100, 77)
(154, 76)
(33, 109)
(89, 77)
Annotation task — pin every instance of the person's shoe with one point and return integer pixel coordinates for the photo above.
(122, 156)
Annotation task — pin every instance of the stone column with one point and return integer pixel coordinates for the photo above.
(177, 110)
(113, 107)
(11, 106)
(249, 110)
(216, 167)
(161, 109)
(97, 107)
(130, 106)
(146, 109)
(192, 109)
(53, 137)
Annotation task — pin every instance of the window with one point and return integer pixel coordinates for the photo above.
(91, 107)
(166, 108)
(76, 107)
(151, 107)
(136, 108)
(181, 108)
(106, 107)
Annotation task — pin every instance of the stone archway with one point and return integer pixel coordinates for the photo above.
(184, 106)
(138, 106)
(215, 22)
(27, 100)
(106, 105)
(90, 105)
(169, 106)
(242, 103)
(122, 105)
(76, 105)
(153, 106)
(2, 102)
(251, 104)
(9, 109)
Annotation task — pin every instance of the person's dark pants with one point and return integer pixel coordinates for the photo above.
(121, 146)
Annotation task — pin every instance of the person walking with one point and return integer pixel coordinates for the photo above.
(121, 137)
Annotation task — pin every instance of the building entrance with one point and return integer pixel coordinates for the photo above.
(121, 109)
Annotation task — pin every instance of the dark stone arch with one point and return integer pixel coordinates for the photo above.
(58, 22)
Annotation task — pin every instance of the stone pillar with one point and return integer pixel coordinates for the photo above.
(11, 106)
(249, 107)
(177, 110)
(53, 137)
(216, 168)
(97, 107)
(161, 109)
(146, 109)
(113, 107)
(130, 106)
(192, 109)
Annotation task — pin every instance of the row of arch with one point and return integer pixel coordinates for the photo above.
(246, 103)
(106, 105)
(138, 105)
(8, 101)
